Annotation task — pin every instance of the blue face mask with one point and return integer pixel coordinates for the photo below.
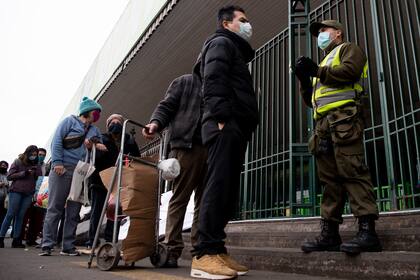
(324, 40)
(41, 159)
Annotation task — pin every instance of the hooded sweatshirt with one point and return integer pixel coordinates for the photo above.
(71, 126)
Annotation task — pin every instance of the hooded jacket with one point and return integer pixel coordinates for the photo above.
(228, 90)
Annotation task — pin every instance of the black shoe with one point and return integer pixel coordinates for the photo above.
(366, 239)
(17, 243)
(328, 240)
(72, 252)
(1, 242)
(172, 262)
(46, 251)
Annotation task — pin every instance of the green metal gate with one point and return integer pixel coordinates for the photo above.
(279, 176)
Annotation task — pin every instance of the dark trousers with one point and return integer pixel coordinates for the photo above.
(342, 171)
(192, 178)
(3, 212)
(226, 152)
(32, 224)
(60, 228)
(98, 196)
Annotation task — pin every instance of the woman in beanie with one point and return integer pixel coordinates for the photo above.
(73, 136)
(23, 173)
(104, 160)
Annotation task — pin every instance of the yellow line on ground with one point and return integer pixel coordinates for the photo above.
(142, 273)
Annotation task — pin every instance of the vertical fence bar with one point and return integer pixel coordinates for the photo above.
(383, 100)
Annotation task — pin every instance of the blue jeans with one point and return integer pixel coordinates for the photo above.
(18, 205)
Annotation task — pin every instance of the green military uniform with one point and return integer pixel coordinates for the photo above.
(337, 141)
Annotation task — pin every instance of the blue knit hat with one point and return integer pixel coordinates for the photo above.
(88, 105)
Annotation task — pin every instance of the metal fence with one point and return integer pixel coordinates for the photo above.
(279, 177)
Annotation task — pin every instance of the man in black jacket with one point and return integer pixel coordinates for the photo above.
(181, 111)
(229, 118)
(104, 160)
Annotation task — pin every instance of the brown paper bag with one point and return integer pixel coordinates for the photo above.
(139, 201)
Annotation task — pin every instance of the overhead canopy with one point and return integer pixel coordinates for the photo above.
(172, 50)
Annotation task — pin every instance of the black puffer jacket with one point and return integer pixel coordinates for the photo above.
(228, 90)
(180, 110)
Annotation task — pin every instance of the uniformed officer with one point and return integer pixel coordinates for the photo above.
(333, 89)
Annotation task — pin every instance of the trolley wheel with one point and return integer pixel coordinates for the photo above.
(108, 256)
(159, 258)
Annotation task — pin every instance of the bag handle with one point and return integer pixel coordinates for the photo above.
(93, 155)
(90, 156)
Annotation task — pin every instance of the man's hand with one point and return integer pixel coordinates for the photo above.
(59, 169)
(306, 67)
(300, 71)
(150, 130)
(101, 147)
(221, 125)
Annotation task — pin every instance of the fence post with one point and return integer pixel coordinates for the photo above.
(384, 104)
(298, 17)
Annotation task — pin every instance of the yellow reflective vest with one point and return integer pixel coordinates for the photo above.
(325, 98)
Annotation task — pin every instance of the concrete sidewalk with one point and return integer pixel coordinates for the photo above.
(16, 264)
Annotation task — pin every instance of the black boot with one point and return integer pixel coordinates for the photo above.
(366, 239)
(328, 240)
(1, 242)
(172, 262)
(17, 243)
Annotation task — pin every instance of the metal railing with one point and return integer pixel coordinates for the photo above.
(279, 177)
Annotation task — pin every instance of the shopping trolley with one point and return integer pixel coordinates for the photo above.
(108, 255)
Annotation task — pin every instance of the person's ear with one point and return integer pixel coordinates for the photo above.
(225, 24)
(339, 34)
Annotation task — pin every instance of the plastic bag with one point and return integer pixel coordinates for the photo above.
(79, 184)
(170, 168)
(42, 195)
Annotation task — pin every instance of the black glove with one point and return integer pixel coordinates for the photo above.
(306, 65)
(301, 74)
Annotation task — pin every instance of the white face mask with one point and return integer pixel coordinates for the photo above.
(245, 30)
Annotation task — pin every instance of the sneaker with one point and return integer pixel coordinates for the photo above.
(72, 252)
(211, 267)
(231, 263)
(46, 251)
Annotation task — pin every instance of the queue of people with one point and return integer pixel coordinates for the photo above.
(211, 115)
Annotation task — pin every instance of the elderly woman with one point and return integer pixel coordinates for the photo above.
(104, 160)
(23, 173)
(73, 136)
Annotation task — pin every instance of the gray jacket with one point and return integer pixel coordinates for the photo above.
(181, 111)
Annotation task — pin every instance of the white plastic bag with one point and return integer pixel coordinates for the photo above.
(170, 168)
(79, 190)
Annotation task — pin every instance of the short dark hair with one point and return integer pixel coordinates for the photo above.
(227, 13)
(42, 150)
